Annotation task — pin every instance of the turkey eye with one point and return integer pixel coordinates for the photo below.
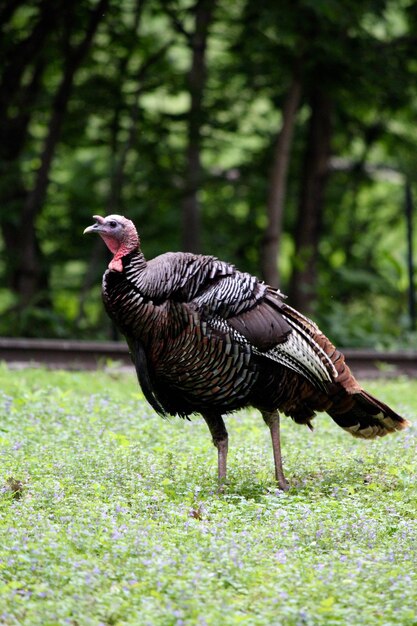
(113, 224)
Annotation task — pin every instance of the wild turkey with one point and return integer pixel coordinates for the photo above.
(206, 338)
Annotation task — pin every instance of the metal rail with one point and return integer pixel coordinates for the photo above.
(90, 355)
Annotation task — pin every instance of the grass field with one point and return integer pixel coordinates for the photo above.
(109, 515)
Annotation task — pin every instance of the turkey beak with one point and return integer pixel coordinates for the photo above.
(95, 228)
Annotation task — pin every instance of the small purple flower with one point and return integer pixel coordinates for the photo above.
(281, 556)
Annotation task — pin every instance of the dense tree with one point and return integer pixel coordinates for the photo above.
(260, 132)
(196, 40)
(68, 29)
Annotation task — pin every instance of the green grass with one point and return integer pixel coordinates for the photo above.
(117, 520)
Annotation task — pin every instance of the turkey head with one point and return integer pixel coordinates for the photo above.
(119, 234)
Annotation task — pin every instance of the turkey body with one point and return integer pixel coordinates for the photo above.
(197, 331)
(207, 338)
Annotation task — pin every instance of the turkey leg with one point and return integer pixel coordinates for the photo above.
(220, 440)
(272, 421)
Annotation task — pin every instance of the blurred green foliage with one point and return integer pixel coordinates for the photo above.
(122, 147)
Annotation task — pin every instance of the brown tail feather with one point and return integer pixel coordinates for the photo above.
(368, 417)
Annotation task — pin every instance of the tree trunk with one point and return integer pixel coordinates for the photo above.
(196, 82)
(16, 102)
(30, 277)
(315, 174)
(277, 186)
(119, 155)
(22, 55)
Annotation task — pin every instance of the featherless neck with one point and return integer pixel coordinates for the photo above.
(124, 252)
(121, 245)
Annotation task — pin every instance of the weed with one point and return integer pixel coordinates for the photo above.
(110, 515)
